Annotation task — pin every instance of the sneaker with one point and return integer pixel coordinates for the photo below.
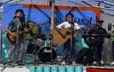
(102, 62)
(10, 61)
(63, 62)
(73, 63)
(112, 63)
(96, 63)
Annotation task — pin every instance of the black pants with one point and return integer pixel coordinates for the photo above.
(113, 50)
(98, 52)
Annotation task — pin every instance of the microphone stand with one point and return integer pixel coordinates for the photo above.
(71, 38)
(51, 43)
(17, 36)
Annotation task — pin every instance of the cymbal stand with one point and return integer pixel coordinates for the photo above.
(35, 50)
(51, 45)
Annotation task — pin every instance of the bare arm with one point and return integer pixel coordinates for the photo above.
(8, 31)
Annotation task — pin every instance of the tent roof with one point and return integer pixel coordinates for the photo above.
(107, 6)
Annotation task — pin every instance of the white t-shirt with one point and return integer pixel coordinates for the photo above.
(68, 25)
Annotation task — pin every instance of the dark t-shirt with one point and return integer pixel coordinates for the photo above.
(99, 31)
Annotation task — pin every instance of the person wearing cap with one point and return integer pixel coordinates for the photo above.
(96, 42)
(16, 25)
(111, 32)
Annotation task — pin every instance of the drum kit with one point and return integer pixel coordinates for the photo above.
(36, 44)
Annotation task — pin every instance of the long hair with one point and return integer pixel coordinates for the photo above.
(22, 19)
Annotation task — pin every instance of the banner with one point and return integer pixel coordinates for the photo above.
(41, 14)
(99, 70)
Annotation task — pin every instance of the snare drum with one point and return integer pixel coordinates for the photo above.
(40, 40)
(47, 54)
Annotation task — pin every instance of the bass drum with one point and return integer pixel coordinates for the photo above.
(47, 54)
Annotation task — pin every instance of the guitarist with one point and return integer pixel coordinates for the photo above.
(16, 24)
(96, 42)
(111, 32)
(67, 45)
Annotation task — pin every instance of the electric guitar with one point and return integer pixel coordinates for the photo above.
(13, 39)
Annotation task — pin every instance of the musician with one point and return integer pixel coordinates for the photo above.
(111, 32)
(96, 42)
(16, 25)
(67, 50)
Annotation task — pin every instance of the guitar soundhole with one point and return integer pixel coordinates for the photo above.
(67, 33)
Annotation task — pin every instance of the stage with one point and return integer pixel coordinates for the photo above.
(39, 15)
(52, 67)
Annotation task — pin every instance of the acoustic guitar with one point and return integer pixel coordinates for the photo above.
(60, 36)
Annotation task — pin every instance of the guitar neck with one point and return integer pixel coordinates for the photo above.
(77, 30)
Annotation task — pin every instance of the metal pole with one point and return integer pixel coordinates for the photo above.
(1, 32)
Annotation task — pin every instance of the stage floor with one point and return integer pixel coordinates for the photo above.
(52, 67)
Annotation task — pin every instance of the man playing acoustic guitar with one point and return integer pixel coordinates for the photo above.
(69, 45)
(17, 44)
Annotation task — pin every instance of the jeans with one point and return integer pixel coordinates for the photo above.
(19, 50)
(67, 50)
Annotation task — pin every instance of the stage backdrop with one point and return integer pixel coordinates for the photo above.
(41, 14)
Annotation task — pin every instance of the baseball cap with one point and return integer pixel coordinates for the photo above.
(100, 20)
